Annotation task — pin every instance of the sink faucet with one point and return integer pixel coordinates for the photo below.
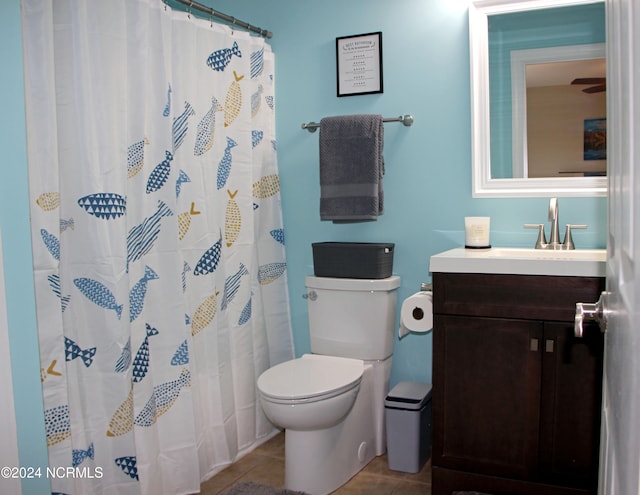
(553, 218)
(554, 243)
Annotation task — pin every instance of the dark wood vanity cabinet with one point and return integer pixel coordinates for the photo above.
(516, 396)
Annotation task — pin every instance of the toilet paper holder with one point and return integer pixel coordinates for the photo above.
(424, 287)
(417, 312)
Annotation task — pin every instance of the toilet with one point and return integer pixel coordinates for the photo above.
(331, 402)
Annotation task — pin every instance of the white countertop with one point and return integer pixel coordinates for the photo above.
(522, 261)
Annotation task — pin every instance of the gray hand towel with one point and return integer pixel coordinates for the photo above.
(351, 168)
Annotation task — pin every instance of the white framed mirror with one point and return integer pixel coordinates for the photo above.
(486, 183)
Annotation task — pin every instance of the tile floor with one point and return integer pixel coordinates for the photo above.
(266, 465)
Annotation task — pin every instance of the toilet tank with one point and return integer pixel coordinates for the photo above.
(353, 318)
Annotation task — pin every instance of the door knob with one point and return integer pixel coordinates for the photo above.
(598, 312)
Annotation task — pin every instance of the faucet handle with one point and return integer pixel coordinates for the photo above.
(542, 238)
(568, 238)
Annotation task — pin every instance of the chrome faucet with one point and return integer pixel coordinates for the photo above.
(553, 218)
(554, 243)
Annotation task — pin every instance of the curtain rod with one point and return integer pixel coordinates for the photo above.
(232, 20)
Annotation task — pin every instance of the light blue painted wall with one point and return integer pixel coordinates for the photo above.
(427, 185)
(16, 240)
(428, 166)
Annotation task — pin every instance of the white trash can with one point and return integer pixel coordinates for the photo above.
(408, 422)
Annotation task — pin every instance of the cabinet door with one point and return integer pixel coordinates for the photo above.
(486, 392)
(570, 405)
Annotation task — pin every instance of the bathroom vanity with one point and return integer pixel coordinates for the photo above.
(516, 396)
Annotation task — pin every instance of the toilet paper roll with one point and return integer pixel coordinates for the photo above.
(416, 313)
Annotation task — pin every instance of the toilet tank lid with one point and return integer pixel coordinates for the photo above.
(354, 284)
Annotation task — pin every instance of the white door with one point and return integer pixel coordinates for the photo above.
(620, 448)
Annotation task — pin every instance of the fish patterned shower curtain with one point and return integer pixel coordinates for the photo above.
(158, 242)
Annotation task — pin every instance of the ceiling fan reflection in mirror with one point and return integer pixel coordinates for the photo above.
(596, 84)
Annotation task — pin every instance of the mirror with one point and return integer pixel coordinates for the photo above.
(511, 44)
(559, 112)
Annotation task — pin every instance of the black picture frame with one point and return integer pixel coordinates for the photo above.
(359, 64)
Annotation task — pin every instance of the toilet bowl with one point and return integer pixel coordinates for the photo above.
(311, 392)
(331, 402)
(324, 404)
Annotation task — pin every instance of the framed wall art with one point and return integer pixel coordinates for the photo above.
(595, 139)
(359, 64)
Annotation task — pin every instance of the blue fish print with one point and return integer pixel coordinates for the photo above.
(160, 174)
(245, 315)
(167, 108)
(181, 356)
(141, 361)
(73, 351)
(124, 360)
(66, 224)
(185, 269)
(54, 283)
(224, 167)
(209, 260)
(52, 243)
(129, 466)
(104, 205)
(142, 237)
(57, 424)
(257, 63)
(256, 138)
(182, 178)
(163, 397)
(149, 413)
(270, 101)
(256, 99)
(278, 235)
(135, 157)
(232, 285)
(219, 59)
(181, 125)
(80, 455)
(270, 272)
(206, 128)
(98, 293)
(138, 292)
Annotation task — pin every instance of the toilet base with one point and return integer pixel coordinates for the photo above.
(320, 461)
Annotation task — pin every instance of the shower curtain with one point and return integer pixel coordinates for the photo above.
(158, 241)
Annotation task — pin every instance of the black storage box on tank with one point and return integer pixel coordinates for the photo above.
(353, 259)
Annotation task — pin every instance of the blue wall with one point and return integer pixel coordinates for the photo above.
(427, 184)
(16, 240)
(428, 166)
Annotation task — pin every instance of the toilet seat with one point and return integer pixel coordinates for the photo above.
(310, 378)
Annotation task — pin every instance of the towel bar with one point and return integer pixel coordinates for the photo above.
(407, 120)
